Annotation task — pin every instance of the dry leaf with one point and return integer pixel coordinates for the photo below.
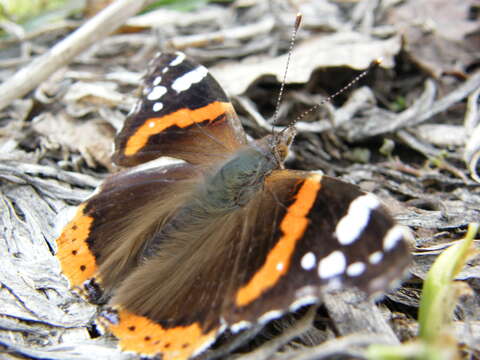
(349, 49)
(93, 139)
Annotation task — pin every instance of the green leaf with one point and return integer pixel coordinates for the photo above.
(21, 10)
(438, 294)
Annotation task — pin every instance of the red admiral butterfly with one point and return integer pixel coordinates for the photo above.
(224, 239)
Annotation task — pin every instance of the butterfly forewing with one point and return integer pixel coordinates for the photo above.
(183, 113)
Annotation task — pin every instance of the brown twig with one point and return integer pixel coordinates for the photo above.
(62, 53)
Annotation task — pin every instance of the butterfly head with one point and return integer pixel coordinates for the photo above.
(280, 144)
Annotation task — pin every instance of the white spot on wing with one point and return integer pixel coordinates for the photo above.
(393, 236)
(356, 269)
(156, 93)
(308, 261)
(274, 314)
(178, 60)
(307, 300)
(334, 264)
(185, 81)
(375, 258)
(151, 124)
(279, 266)
(241, 325)
(157, 80)
(157, 106)
(351, 225)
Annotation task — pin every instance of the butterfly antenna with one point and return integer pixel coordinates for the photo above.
(329, 98)
(296, 26)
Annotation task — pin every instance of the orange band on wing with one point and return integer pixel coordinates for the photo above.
(181, 118)
(77, 261)
(293, 227)
(143, 336)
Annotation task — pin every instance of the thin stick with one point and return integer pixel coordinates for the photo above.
(61, 54)
(298, 20)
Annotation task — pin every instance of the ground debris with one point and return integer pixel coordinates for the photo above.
(409, 132)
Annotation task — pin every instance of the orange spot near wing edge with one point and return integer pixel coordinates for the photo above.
(293, 227)
(181, 118)
(77, 261)
(144, 336)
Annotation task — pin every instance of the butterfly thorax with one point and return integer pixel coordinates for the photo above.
(237, 181)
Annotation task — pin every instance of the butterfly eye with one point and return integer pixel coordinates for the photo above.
(282, 151)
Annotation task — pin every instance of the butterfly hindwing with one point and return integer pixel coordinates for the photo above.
(312, 233)
(177, 296)
(106, 238)
(258, 262)
(183, 113)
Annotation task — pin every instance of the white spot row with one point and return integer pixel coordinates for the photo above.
(180, 84)
(347, 232)
(336, 264)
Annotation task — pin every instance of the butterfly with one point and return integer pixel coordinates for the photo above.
(225, 237)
